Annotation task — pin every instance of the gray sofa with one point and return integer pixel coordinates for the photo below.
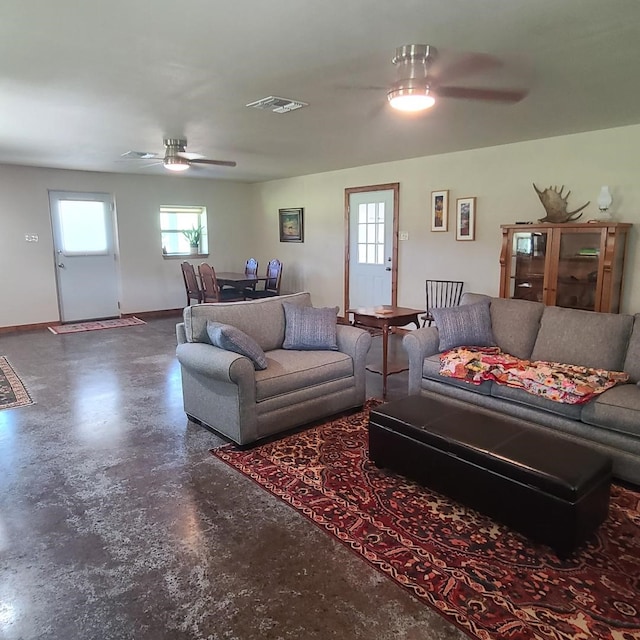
(530, 330)
(222, 390)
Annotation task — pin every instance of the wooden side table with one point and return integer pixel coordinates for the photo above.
(383, 317)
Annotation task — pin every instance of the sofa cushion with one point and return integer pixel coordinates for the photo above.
(263, 319)
(587, 338)
(527, 399)
(632, 362)
(290, 371)
(466, 325)
(310, 328)
(515, 325)
(617, 409)
(231, 338)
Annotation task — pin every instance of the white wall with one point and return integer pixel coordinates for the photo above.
(148, 282)
(499, 177)
(243, 221)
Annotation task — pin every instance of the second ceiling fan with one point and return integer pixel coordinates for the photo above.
(177, 159)
(416, 88)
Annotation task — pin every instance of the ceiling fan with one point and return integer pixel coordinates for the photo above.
(417, 87)
(175, 156)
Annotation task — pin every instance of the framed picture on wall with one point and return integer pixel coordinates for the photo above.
(466, 219)
(439, 210)
(291, 225)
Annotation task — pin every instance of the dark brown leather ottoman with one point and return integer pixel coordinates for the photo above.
(551, 489)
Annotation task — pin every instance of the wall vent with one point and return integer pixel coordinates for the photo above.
(277, 105)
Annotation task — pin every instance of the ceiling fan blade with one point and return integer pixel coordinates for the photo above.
(469, 93)
(467, 65)
(221, 163)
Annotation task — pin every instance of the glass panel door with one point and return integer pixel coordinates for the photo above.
(527, 265)
(578, 269)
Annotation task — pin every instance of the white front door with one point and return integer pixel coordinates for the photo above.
(371, 247)
(85, 256)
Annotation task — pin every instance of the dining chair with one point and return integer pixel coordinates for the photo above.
(441, 293)
(211, 291)
(251, 269)
(271, 284)
(190, 282)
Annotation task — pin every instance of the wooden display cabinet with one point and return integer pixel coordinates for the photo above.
(576, 265)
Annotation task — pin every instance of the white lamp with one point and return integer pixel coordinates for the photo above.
(604, 202)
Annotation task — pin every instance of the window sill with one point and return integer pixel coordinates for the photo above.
(183, 256)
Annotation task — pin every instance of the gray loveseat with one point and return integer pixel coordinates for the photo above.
(222, 390)
(610, 422)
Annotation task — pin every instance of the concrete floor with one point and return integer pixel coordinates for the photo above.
(117, 523)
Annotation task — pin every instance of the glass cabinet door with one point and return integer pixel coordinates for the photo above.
(527, 265)
(578, 269)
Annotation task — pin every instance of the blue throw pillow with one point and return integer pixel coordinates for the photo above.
(310, 328)
(468, 325)
(231, 338)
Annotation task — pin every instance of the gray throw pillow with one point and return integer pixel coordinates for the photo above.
(468, 325)
(310, 328)
(231, 338)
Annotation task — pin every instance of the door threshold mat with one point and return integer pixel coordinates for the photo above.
(94, 325)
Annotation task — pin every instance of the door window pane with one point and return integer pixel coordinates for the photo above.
(371, 233)
(83, 227)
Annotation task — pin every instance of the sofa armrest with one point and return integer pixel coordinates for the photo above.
(419, 344)
(181, 334)
(353, 341)
(218, 364)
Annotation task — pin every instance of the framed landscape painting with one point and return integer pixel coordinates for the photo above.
(291, 225)
(439, 210)
(466, 219)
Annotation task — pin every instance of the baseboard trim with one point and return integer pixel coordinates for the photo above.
(161, 313)
(143, 315)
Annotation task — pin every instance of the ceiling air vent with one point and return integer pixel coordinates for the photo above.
(277, 105)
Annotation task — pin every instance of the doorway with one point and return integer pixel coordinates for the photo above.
(371, 248)
(83, 227)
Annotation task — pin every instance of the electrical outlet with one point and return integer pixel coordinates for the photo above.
(404, 235)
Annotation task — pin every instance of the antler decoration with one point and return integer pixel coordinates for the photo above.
(555, 204)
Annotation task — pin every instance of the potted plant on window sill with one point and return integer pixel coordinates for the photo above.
(194, 236)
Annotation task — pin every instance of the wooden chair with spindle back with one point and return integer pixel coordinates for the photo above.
(190, 282)
(211, 291)
(441, 293)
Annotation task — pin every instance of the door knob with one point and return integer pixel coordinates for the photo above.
(387, 268)
(61, 265)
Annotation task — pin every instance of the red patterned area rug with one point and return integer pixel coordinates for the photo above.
(13, 393)
(481, 576)
(96, 324)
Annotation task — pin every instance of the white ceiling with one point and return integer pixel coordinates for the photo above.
(83, 82)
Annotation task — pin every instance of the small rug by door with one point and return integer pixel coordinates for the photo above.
(96, 324)
(481, 576)
(13, 393)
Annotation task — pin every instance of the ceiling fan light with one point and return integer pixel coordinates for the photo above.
(176, 163)
(410, 98)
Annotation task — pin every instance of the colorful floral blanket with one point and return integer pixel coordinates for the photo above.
(566, 383)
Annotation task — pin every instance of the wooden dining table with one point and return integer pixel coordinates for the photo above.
(238, 280)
